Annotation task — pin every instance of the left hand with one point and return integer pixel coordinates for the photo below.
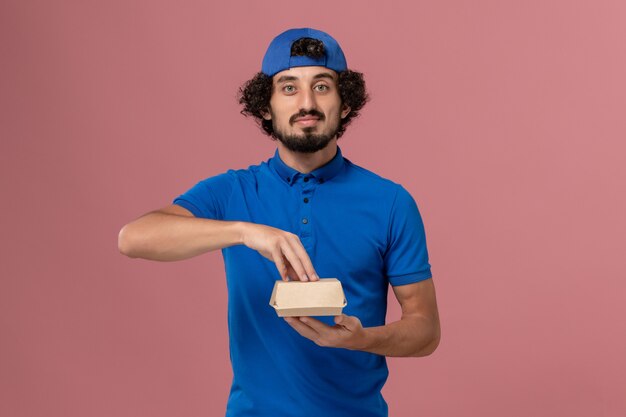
(347, 332)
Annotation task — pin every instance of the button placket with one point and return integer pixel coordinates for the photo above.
(305, 207)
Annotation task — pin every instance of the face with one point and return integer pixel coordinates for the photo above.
(305, 108)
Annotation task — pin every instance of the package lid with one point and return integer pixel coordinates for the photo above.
(327, 292)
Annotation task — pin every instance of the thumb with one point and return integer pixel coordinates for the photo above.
(349, 322)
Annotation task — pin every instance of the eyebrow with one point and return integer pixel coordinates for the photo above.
(286, 78)
(324, 75)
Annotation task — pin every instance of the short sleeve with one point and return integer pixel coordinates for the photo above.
(406, 257)
(208, 198)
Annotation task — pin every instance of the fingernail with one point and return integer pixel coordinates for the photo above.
(305, 277)
(315, 276)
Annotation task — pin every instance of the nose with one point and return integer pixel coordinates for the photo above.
(307, 100)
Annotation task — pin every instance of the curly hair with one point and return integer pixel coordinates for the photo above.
(255, 94)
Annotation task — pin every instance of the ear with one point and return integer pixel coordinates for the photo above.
(266, 115)
(345, 110)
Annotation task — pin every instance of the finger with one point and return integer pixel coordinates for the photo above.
(306, 260)
(302, 328)
(295, 262)
(280, 265)
(291, 273)
(316, 325)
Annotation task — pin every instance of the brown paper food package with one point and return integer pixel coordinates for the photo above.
(308, 298)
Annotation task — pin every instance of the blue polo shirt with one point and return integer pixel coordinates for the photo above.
(356, 226)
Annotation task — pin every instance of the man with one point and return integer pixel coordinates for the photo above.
(305, 213)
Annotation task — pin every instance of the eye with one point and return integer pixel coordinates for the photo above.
(322, 87)
(289, 89)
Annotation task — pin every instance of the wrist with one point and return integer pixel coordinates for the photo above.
(241, 230)
(368, 339)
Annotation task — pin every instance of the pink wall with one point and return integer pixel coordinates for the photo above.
(505, 120)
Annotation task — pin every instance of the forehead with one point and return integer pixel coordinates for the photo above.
(304, 74)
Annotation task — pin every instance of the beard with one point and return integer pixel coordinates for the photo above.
(308, 141)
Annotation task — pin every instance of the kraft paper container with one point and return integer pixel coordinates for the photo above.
(308, 298)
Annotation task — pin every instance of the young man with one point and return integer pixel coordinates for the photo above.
(305, 213)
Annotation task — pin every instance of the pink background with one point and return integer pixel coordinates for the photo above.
(505, 120)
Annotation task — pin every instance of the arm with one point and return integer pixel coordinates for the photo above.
(174, 233)
(417, 333)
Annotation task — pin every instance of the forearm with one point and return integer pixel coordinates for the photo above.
(168, 237)
(409, 336)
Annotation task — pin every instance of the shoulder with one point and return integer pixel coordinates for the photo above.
(252, 170)
(389, 195)
(234, 175)
(372, 180)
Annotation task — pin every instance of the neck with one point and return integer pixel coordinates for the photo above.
(307, 162)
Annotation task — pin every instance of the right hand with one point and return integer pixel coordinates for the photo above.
(281, 247)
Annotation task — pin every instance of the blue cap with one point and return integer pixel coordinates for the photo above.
(278, 56)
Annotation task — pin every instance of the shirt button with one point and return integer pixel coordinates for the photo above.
(305, 221)
(306, 179)
(306, 200)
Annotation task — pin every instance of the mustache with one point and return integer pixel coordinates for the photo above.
(303, 113)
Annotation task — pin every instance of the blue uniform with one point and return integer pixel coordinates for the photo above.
(356, 226)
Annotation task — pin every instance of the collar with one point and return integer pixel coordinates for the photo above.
(321, 174)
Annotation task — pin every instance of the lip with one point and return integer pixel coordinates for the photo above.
(307, 121)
